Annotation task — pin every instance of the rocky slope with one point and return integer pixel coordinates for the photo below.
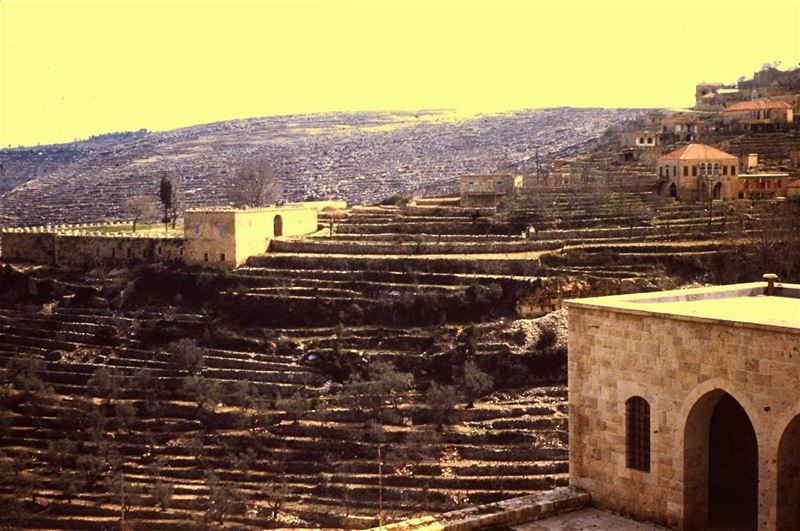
(361, 157)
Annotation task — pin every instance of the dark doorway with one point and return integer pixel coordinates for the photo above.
(673, 190)
(717, 192)
(789, 478)
(277, 227)
(732, 468)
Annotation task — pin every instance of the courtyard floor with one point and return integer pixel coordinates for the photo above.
(586, 519)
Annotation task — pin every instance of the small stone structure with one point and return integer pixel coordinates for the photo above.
(696, 172)
(487, 190)
(227, 237)
(763, 185)
(641, 138)
(760, 114)
(684, 406)
(222, 237)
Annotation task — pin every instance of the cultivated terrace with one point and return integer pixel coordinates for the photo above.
(407, 358)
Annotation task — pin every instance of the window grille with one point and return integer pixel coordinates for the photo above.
(637, 433)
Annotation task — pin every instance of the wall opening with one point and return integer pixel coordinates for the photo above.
(673, 190)
(637, 434)
(720, 465)
(789, 477)
(717, 192)
(277, 226)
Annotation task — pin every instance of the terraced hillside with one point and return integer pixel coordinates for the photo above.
(198, 398)
(360, 157)
(276, 429)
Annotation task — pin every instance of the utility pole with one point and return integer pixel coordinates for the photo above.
(380, 486)
(122, 498)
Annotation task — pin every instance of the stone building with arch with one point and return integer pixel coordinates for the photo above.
(213, 236)
(684, 406)
(697, 171)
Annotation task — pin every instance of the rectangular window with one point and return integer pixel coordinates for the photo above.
(222, 257)
(159, 249)
(724, 170)
(661, 171)
(205, 257)
(733, 170)
(471, 186)
(686, 171)
(694, 171)
(637, 433)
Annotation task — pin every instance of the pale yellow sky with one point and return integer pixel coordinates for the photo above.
(70, 68)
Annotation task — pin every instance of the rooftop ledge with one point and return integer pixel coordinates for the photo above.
(741, 304)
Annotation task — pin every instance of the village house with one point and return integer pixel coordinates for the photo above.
(641, 138)
(696, 172)
(487, 190)
(758, 115)
(684, 406)
(683, 127)
(763, 185)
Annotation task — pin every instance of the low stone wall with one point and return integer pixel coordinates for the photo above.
(29, 245)
(70, 247)
(499, 514)
(86, 249)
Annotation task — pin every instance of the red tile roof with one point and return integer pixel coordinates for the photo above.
(794, 184)
(755, 105)
(697, 152)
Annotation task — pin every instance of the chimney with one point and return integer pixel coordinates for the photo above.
(770, 279)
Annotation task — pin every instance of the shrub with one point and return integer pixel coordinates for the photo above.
(187, 356)
(475, 382)
(441, 400)
(547, 338)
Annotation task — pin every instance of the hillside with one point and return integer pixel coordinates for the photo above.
(360, 157)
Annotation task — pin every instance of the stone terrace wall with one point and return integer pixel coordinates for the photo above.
(29, 245)
(84, 249)
(47, 246)
(674, 364)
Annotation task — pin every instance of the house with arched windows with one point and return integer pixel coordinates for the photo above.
(696, 172)
(684, 406)
(760, 114)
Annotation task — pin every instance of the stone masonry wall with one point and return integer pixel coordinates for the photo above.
(73, 248)
(673, 363)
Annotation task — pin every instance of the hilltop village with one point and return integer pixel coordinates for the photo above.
(318, 363)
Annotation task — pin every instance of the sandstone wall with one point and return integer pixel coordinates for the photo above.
(673, 363)
(85, 249)
(210, 237)
(73, 248)
(25, 245)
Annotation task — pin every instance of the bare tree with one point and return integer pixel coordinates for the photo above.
(139, 207)
(254, 184)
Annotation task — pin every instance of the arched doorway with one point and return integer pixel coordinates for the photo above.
(717, 192)
(673, 190)
(789, 477)
(277, 226)
(720, 465)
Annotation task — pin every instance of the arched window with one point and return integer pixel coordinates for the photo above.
(637, 433)
(716, 168)
(702, 168)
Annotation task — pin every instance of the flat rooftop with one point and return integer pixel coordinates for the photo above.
(742, 304)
